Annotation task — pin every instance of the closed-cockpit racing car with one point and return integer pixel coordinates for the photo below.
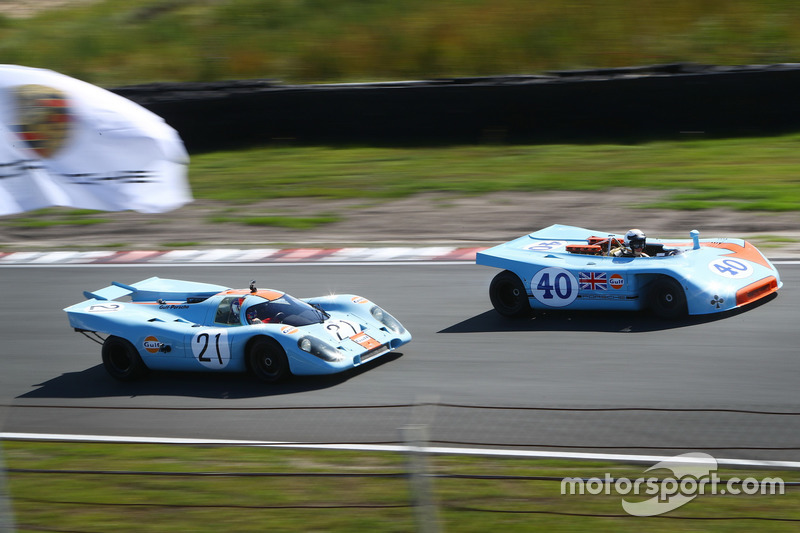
(566, 267)
(183, 325)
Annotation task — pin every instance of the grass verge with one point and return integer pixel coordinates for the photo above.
(752, 174)
(101, 487)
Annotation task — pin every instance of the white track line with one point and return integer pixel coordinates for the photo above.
(486, 452)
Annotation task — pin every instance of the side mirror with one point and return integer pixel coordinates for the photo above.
(695, 239)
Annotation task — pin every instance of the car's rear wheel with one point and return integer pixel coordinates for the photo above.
(667, 299)
(267, 360)
(121, 360)
(508, 295)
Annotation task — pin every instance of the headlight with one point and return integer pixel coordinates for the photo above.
(318, 348)
(387, 320)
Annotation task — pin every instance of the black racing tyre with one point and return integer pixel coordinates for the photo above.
(508, 294)
(267, 360)
(666, 298)
(121, 360)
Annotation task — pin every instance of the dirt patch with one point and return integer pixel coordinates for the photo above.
(434, 218)
(29, 8)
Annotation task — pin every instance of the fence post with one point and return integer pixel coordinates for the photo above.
(416, 437)
(416, 440)
(6, 516)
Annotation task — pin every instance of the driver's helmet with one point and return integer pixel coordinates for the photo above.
(635, 239)
(236, 307)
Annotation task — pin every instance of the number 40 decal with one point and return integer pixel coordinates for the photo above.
(210, 347)
(555, 287)
(731, 268)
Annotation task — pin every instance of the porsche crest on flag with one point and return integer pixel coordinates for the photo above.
(64, 142)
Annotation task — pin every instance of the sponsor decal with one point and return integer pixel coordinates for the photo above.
(43, 118)
(359, 300)
(602, 296)
(593, 281)
(289, 330)
(173, 306)
(616, 281)
(151, 344)
(365, 341)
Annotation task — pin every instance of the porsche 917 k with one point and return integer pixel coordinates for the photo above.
(182, 325)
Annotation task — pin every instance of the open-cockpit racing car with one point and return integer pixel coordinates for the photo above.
(170, 324)
(566, 267)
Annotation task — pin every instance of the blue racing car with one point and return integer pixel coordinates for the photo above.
(566, 267)
(183, 325)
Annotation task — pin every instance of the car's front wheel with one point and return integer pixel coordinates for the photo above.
(667, 299)
(267, 360)
(121, 360)
(508, 295)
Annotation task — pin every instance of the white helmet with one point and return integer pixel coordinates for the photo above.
(635, 238)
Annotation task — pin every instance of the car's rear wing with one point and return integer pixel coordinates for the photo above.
(152, 289)
(112, 292)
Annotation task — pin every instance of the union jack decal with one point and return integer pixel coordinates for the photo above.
(593, 281)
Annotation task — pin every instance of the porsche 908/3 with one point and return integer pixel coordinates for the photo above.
(183, 325)
(566, 267)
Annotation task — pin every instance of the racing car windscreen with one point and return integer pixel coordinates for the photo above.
(285, 310)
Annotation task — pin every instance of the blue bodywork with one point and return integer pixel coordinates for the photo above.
(184, 325)
(715, 274)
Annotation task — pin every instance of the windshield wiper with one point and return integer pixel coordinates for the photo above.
(323, 315)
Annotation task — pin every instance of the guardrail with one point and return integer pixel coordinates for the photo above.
(621, 105)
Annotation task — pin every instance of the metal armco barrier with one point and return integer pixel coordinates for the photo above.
(604, 105)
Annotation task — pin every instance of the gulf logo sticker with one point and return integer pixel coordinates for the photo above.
(616, 281)
(151, 344)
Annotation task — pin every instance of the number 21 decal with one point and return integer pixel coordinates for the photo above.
(730, 268)
(555, 287)
(210, 348)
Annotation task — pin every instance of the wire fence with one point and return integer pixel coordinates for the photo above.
(430, 493)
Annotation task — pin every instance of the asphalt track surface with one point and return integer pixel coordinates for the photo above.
(563, 381)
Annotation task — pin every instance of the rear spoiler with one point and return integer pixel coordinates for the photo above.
(155, 288)
(114, 291)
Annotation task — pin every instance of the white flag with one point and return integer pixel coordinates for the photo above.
(69, 143)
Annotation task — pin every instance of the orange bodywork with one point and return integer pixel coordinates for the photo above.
(267, 294)
(748, 252)
(757, 290)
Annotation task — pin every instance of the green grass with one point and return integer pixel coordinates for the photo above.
(180, 244)
(116, 42)
(45, 218)
(748, 175)
(246, 500)
(278, 221)
(756, 174)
